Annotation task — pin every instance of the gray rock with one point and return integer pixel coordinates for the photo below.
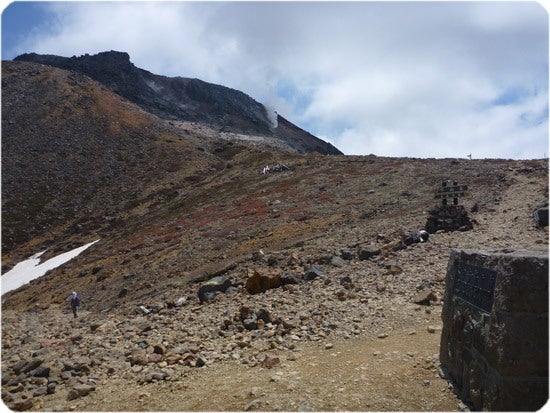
(41, 391)
(31, 365)
(368, 252)
(154, 376)
(41, 371)
(212, 287)
(79, 390)
(200, 361)
(250, 323)
(347, 254)
(424, 297)
(346, 282)
(41, 352)
(265, 315)
(66, 375)
(290, 277)
(18, 367)
(337, 261)
(22, 405)
(51, 388)
(313, 272)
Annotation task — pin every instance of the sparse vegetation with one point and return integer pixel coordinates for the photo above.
(170, 213)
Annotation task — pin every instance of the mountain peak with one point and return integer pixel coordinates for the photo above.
(181, 98)
(110, 56)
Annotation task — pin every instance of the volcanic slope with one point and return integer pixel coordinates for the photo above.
(186, 99)
(77, 158)
(353, 339)
(175, 203)
(172, 202)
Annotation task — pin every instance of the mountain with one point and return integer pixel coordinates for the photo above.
(181, 98)
(80, 162)
(74, 154)
(174, 204)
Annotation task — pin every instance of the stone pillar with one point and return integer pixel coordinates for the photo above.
(494, 341)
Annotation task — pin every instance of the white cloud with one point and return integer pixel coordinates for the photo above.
(396, 78)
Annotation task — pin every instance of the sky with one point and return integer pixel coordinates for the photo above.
(416, 79)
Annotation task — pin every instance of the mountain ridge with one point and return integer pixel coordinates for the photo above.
(181, 98)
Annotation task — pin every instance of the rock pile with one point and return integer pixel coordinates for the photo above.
(317, 299)
(448, 218)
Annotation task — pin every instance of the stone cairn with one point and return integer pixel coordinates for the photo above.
(449, 217)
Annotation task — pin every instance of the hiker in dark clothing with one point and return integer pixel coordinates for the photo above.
(75, 303)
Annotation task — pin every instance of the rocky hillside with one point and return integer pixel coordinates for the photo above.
(354, 324)
(76, 156)
(186, 99)
(321, 306)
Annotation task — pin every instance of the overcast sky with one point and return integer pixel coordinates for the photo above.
(418, 79)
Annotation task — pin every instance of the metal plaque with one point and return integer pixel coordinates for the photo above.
(476, 285)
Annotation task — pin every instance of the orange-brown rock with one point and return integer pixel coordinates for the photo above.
(262, 280)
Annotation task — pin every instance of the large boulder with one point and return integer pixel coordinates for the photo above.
(262, 280)
(212, 287)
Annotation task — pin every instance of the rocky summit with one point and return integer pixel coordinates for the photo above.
(230, 273)
(180, 98)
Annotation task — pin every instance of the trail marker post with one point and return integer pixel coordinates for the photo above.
(451, 189)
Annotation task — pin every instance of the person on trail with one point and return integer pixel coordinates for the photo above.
(75, 303)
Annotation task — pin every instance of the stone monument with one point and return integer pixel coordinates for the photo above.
(447, 217)
(494, 341)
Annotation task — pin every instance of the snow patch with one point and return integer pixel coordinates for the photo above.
(31, 269)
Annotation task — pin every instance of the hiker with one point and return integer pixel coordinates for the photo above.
(75, 303)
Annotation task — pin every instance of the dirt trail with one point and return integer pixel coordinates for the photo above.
(396, 373)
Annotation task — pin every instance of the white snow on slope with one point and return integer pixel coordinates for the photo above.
(30, 269)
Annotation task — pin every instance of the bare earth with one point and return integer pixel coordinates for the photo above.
(381, 354)
(358, 374)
